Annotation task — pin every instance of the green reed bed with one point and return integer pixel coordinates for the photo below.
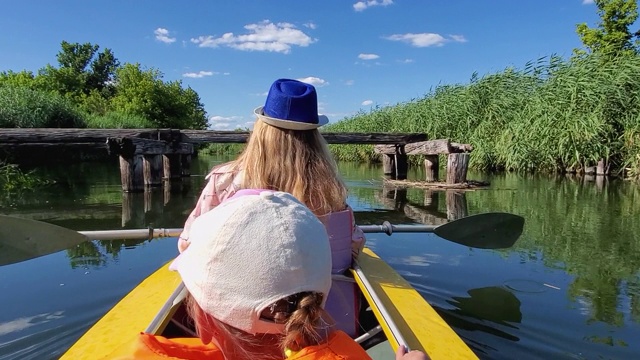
(14, 180)
(552, 115)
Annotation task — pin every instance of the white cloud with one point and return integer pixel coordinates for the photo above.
(317, 82)
(199, 74)
(362, 5)
(218, 122)
(425, 39)
(263, 36)
(367, 103)
(587, 2)
(311, 25)
(218, 118)
(162, 34)
(368, 56)
(349, 82)
(406, 61)
(458, 38)
(419, 40)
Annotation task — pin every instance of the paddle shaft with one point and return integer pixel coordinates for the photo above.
(150, 233)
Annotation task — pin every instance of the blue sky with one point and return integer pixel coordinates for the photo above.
(357, 54)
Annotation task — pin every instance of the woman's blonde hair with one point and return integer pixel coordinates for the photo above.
(306, 325)
(294, 161)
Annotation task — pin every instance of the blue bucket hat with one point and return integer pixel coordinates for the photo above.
(293, 105)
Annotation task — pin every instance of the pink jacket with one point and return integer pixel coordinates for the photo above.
(222, 183)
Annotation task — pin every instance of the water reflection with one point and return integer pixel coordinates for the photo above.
(583, 229)
(489, 304)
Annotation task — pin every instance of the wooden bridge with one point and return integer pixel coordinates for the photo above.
(149, 157)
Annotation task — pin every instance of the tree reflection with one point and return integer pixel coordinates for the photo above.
(98, 253)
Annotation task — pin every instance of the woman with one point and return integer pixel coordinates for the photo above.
(257, 272)
(286, 152)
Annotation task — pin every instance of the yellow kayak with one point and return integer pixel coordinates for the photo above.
(401, 316)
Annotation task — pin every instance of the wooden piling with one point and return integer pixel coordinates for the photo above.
(457, 168)
(402, 166)
(388, 164)
(152, 170)
(172, 166)
(185, 160)
(431, 168)
(131, 173)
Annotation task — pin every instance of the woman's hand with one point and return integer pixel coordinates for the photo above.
(402, 354)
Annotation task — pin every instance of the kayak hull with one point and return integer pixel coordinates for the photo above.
(397, 306)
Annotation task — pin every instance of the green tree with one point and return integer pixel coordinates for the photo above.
(167, 105)
(82, 70)
(612, 36)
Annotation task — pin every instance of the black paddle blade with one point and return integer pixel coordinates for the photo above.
(24, 239)
(484, 231)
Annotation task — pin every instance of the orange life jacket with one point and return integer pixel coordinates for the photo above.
(149, 347)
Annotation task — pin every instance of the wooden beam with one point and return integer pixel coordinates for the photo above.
(430, 147)
(210, 136)
(138, 146)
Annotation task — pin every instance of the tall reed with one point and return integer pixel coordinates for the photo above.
(551, 115)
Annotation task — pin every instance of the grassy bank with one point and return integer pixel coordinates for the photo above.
(552, 115)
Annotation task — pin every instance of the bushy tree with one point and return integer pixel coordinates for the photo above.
(142, 92)
(612, 36)
(82, 69)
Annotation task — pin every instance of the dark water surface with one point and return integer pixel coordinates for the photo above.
(569, 289)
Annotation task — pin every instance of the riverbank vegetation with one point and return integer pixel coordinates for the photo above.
(14, 180)
(552, 115)
(90, 88)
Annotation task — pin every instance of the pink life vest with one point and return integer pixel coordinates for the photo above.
(343, 302)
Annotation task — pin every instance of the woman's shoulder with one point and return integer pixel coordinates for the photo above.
(224, 168)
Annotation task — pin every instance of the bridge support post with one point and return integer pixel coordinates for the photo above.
(457, 168)
(152, 170)
(131, 173)
(172, 165)
(431, 164)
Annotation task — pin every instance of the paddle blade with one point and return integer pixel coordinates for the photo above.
(484, 231)
(24, 239)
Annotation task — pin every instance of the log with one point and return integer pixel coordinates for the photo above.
(456, 205)
(131, 174)
(152, 170)
(44, 146)
(430, 147)
(55, 135)
(140, 146)
(457, 168)
(431, 168)
(210, 136)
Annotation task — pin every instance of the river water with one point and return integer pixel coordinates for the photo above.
(568, 289)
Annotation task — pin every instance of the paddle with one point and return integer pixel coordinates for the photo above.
(24, 239)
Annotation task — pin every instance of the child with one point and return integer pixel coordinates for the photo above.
(286, 152)
(258, 270)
